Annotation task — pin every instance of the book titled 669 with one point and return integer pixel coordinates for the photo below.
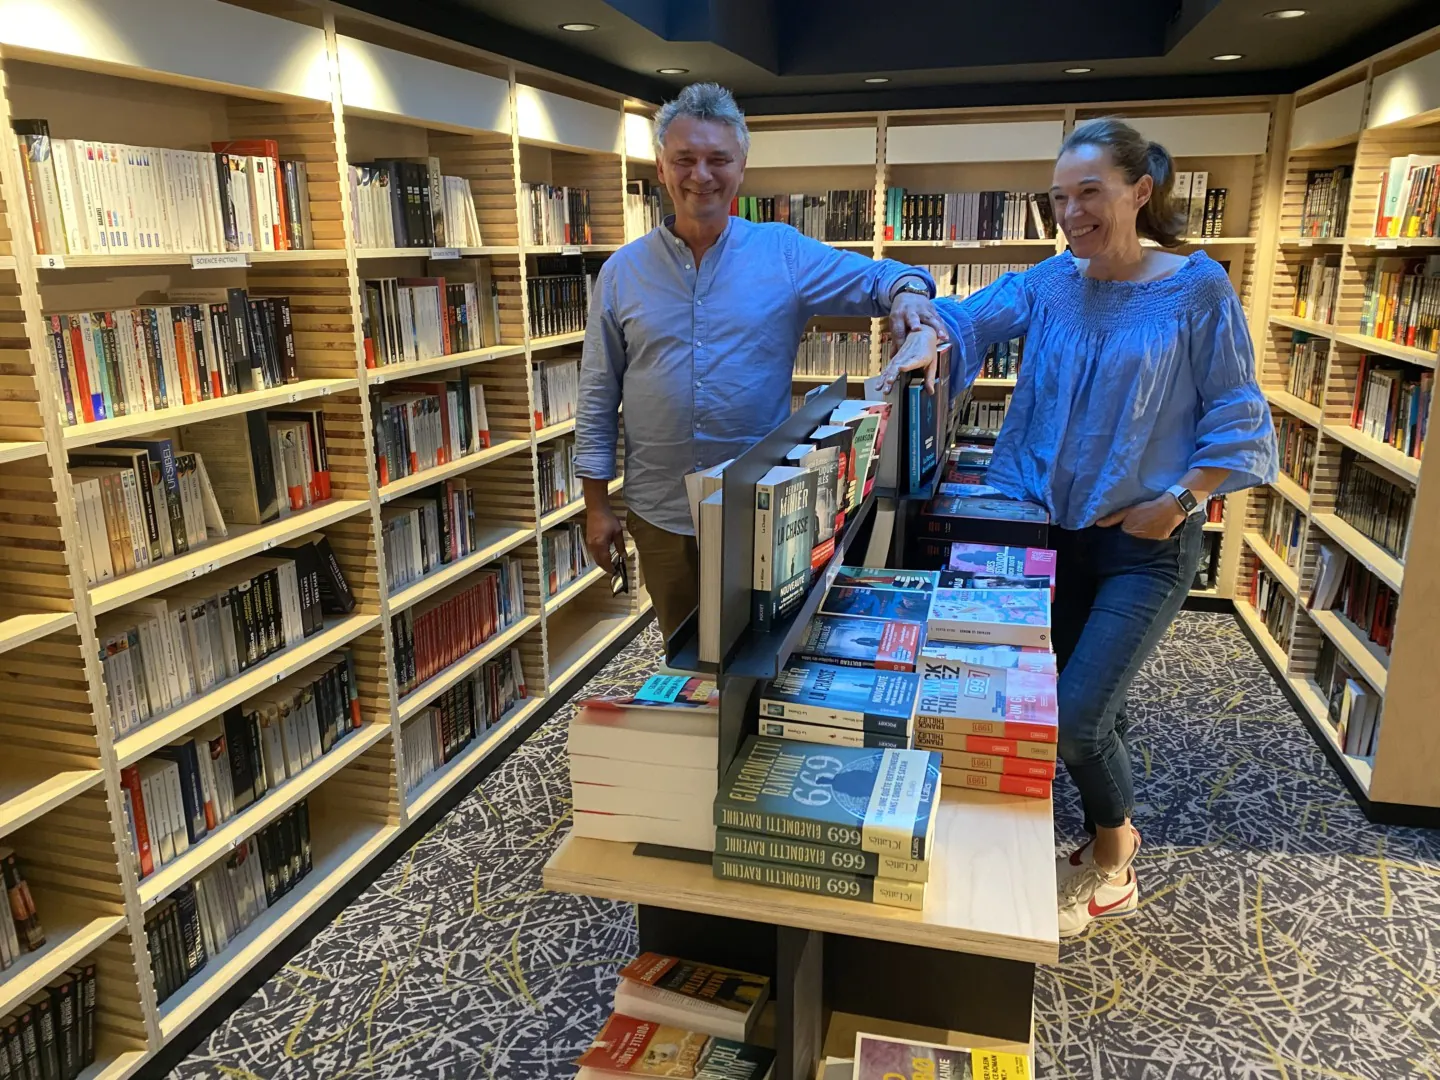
(866, 798)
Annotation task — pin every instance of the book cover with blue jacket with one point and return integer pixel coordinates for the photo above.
(856, 698)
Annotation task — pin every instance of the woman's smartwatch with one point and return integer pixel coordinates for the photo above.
(1184, 497)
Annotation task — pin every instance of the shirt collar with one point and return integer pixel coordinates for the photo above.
(668, 226)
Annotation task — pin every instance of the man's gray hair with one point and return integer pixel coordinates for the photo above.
(703, 101)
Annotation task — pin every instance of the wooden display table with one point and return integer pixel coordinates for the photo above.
(966, 964)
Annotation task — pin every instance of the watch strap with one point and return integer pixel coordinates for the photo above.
(1185, 497)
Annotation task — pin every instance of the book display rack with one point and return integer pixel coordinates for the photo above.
(966, 963)
(337, 93)
(1348, 362)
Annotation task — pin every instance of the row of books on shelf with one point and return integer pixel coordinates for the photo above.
(1326, 202)
(564, 558)
(985, 414)
(156, 654)
(1402, 302)
(559, 484)
(196, 922)
(1409, 202)
(206, 344)
(433, 634)
(1306, 376)
(422, 425)
(21, 931)
(1283, 528)
(1374, 504)
(1317, 284)
(1296, 440)
(556, 389)
(1274, 606)
(1353, 706)
(963, 279)
(551, 215)
(558, 303)
(644, 208)
(403, 203)
(1343, 584)
(968, 215)
(1392, 404)
(441, 731)
(405, 320)
(51, 1035)
(104, 198)
(833, 352)
(1002, 359)
(432, 528)
(182, 792)
(838, 215)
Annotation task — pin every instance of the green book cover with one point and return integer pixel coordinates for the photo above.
(865, 798)
(742, 845)
(820, 882)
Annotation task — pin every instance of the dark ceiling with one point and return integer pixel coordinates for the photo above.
(814, 55)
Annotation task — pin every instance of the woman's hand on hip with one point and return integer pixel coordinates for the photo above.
(1156, 519)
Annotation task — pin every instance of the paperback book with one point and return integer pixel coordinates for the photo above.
(854, 642)
(986, 520)
(855, 698)
(784, 532)
(628, 1046)
(885, 578)
(927, 738)
(713, 1000)
(999, 783)
(1021, 697)
(829, 735)
(993, 566)
(883, 801)
(870, 890)
(952, 660)
(996, 616)
(665, 691)
(742, 845)
(871, 603)
(878, 1057)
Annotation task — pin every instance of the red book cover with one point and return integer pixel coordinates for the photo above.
(996, 782)
(77, 358)
(130, 781)
(266, 148)
(899, 645)
(643, 1048)
(996, 763)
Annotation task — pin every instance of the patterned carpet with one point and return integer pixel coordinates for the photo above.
(1281, 936)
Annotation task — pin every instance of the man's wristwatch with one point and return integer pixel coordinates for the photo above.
(910, 285)
(1184, 497)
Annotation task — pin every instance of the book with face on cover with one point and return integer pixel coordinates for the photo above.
(628, 1046)
(991, 616)
(878, 1057)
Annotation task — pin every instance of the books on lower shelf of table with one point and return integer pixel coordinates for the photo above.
(642, 766)
(880, 1057)
(806, 818)
(629, 1046)
(698, 997)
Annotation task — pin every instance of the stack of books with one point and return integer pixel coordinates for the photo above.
(790, 815)
(967, 509)
(643, 765)
(987, 676)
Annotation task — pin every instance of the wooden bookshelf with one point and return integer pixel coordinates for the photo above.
(1385, 107)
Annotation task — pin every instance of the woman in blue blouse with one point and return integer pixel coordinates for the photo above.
(1136, 402)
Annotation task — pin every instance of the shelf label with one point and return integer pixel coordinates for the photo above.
(220, 260)
(1307, 243)
(1386, 245)
(444, 253)
(569, 249)
(967, 243)
(50, 262)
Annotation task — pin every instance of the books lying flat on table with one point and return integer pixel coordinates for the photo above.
(881, 578)
(628, 1046)
(927, 738)
(854, 642)
(860, 699)
(713, 1000)
(952, 660)
(998, 616)
(991, 566)
(732, 843)
(889, 603)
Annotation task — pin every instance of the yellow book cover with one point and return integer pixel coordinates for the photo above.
(880, 1058)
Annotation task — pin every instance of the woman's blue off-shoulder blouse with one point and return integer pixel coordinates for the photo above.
(1124, 387)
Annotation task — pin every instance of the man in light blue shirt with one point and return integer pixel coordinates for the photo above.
(695, 327)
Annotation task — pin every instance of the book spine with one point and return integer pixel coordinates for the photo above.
(821, 882)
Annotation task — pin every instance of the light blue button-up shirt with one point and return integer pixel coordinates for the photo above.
(1125, 386)
(703, 356)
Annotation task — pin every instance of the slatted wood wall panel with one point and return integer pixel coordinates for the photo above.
(353, 542)
(32, 547)
(351, 457)
(6, 248)
(510, 292)
(530, 572)
(532, 662)
(325, 322)
(46, 713)
(1251, 255)
(305, 131)
(487, 162)
(19, 396)
(600, 175)
(1340, 380)
(507, 488)
(1275, 367)
(1292, 200)
(1325, 482)
(69, 858)
(372, 676)
(119, 1022)
(1355, 266)
(1305, 646)
(365, 789)
(507, 397)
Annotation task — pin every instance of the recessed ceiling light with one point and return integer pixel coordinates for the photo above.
(1285, 13)
(1228, 56)
(578, 27)
(672, 71)
(877, 79)
(1078, 71)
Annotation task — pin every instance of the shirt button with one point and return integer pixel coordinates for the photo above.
(699, 344)
(688, 266)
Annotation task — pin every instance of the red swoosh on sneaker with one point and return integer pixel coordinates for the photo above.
(1097, 910)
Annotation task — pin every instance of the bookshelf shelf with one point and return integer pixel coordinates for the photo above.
(20, 630)
(1312, 241)
(1257, 626)
(1386, 243)
(69, 938)
(134, 745)
(115, 1067)
(1367, 657)
(426, 252)
(443, 779)
(1309, 326)
(1296, 407)
(571, 249)
(574, 589)
(1402, 465)
(555, 341)
(342, 848)
(1286, 574)
(29, 790)
(137, 424)
(576, 642)
(227, 836)
(423, 479)
(827, 379)
(1213, 527)
(1370, 555)
(20, 451)
(429, 690)
(140, 261)
(554, 431)
(491, 544)
(1293, 493)
(995, 383)
(1381, 347)
(413, 370)
(248, 540)
(1314, 702)
(961, 244)
(1204, 592)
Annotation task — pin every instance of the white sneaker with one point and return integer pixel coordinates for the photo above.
(1091, 895)
(1069, 866)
